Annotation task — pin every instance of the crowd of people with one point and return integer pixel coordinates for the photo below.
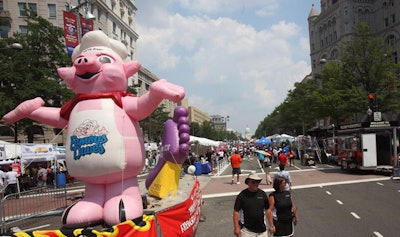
(258, 214)
(38, 175)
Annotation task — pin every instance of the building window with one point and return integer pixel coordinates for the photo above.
(4, 31)
(1, 5)
(23, 6)
(52, 10)
(33, 8)
(22, 9)
(23, 29)
(114, 27)
(99, 14)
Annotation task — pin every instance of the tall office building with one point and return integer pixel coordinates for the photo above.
(334, 24)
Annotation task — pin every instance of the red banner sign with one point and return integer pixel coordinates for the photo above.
(71, 29)
(182, 219)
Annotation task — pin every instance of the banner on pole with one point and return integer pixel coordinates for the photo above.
(70, 31)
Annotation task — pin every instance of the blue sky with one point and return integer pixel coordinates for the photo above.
(233, 57)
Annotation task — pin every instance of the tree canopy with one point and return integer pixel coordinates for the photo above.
(31, 71)
(342, 89)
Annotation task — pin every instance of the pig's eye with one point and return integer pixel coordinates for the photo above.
(104, 59)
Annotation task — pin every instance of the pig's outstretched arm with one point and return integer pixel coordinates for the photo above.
(33, 109)
(148, 102)
(164, 178)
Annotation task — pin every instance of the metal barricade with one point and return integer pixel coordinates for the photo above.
(32, 203)
(222, 165)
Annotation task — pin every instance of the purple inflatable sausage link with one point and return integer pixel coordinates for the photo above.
(175, 142)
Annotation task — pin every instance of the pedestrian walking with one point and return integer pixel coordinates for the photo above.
(252, 202)
(11, 177)
(267, 167)
(291, 157)
(41, 178)
(282, 213)
(236, 159)
(284, 174)
(276, 154)
(282, 157)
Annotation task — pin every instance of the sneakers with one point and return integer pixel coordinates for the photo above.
(232, 181)
(237, 182)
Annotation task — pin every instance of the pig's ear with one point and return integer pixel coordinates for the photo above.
(131, 68)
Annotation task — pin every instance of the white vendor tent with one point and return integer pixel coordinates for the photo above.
(29, 152)
(9, 152)
(204, 141)
(199, 145)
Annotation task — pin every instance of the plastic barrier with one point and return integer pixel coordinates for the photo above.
(198, 168)
(206, 168)
(61, 180)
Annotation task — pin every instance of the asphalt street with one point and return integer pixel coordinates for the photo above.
(330, 202)
(355, 204)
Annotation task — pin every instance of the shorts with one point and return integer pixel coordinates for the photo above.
(248, 233)
(236, 171)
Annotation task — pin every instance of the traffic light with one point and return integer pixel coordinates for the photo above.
(371, 98)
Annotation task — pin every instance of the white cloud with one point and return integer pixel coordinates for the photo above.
(260, 7)
(226, 67)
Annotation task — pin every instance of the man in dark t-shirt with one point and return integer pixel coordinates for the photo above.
(253, 203)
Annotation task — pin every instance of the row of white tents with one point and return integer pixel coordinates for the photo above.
(204, 141)
(29, 152)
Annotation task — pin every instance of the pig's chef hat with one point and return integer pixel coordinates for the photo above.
(98, 39)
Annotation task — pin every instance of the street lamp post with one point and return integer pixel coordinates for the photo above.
(88, 15)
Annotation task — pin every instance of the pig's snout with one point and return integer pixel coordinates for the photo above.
(86, 65)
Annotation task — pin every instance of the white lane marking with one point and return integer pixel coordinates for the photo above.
(297, 186)
(355, 215)
(340, 202)
(329, 193)
(378, 234)
(379, 183)
(249, 171)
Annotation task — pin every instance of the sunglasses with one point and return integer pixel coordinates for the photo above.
(255, 181)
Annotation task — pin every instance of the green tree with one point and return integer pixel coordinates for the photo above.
(31, 72)
(342, 89)
(297, 109)
(153, 125)
(332, 98)
(207, 130)
(194, 129)
(366, 68)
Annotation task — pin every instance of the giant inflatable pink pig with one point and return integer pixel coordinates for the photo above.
(104, 144)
